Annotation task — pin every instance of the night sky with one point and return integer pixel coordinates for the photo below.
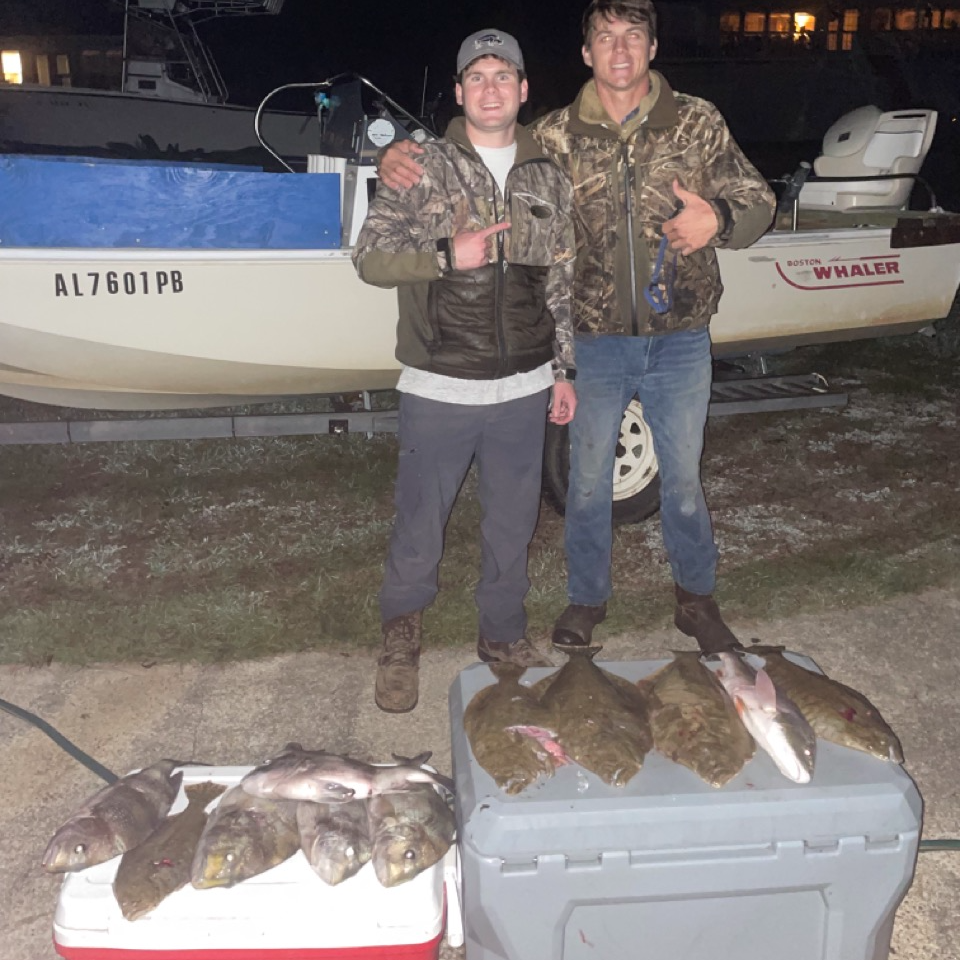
(391, 43)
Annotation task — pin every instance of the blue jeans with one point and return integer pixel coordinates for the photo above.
(671, 374)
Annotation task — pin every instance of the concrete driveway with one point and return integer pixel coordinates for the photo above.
(904, 655)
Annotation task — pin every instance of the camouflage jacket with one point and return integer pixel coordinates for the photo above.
(504, 318)
(622, 178)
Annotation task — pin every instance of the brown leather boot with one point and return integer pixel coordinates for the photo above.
(521, 653)
(398, 669)
(699, 617)
(574, 627)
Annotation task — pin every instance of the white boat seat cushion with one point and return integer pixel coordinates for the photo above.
(868, 142)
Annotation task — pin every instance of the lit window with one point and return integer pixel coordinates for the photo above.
(951, 19)
(781, 23)
(851, 21)
(63, 64)
(754, 22)
(806, 22)
(43, 70)
(905, 19)
(730, 22)
(12, 66)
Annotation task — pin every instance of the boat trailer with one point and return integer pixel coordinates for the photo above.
(764, 394)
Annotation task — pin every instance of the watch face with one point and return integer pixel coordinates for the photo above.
(381, 132)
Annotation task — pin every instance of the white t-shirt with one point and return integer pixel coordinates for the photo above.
(435, 386)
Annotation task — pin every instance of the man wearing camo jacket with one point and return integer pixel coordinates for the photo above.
(481, 252)
(659, 184)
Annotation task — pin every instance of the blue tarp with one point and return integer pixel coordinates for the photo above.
(46, 202)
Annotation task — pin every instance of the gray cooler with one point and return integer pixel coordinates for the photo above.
(669, 868)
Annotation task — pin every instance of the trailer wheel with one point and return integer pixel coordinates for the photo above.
(946, 340)
(636, 474)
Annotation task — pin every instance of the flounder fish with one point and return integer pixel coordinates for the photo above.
(601, 720)
(150, 872)
(694, 723)
(495, 720)
(836, 712)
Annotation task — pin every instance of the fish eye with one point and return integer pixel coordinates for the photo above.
(80, 848)
(409, 854)
(349, 851)
(230, 857)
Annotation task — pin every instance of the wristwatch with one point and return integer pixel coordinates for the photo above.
(444, 255)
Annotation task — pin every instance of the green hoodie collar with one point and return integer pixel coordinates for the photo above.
(658, 110)
(527, 147)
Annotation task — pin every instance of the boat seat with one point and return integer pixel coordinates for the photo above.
(869, 142)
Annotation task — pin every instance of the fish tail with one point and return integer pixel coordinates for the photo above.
(506, 671)
(445, 782)
(586, 652)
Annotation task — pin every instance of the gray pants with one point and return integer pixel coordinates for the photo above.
(438, 441)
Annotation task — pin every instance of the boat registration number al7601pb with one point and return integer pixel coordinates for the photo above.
(95, 282)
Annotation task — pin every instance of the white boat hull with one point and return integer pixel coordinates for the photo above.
(796, 288)
(151, 329)
(141, 329)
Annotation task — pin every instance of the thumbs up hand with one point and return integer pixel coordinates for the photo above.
(694, 226)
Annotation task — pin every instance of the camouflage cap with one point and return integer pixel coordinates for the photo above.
(486, 43)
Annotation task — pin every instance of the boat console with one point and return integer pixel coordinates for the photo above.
(357, 119)
(870, 159)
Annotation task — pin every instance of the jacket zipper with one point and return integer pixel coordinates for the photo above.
(501, 272)
(628, 186)
(498, 287)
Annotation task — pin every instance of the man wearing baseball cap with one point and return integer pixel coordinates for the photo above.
(481, 253)
(659, 185)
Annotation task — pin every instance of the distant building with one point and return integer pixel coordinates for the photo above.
(93, 61)
(784, 72)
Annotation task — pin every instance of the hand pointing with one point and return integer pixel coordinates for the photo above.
(476, 248)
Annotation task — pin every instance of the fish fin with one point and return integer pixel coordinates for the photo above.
(418, 761)
(203, 793)
(766, 691)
